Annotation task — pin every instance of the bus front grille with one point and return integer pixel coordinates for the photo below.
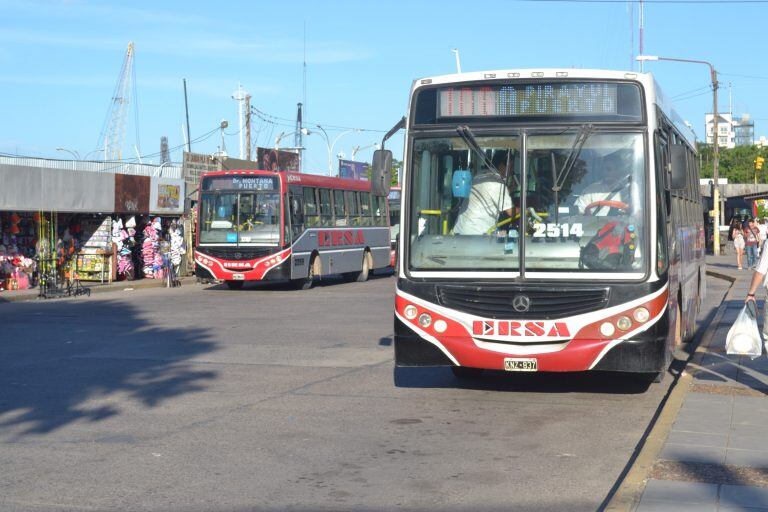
(236, 253)
(498, 301)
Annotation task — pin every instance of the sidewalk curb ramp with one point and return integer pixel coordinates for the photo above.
(627, 496)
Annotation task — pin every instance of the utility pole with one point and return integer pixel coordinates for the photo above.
(239, 96)
(715, 165)
(247, 126)
(186, 109)
(299, 136)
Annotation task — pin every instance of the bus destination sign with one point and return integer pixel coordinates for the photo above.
(240, 183)
(545, 99)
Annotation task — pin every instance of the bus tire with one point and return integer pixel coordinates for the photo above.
(466, 372)
(678, 328)
(362, 276)
(235, 285)
(305, 283)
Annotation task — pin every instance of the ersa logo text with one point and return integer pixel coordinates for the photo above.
(520, 329)
(336, 238)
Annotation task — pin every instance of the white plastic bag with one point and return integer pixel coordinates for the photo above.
(744, 337)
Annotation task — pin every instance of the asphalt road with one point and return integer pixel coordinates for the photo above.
(202, 398)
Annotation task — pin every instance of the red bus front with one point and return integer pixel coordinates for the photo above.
(240, 234)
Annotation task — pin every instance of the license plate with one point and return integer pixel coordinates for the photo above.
(238, 277)
(521, 364)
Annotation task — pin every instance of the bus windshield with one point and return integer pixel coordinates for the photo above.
(583, 208)
(245, 218)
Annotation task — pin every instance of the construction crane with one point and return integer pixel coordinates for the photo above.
(112, 137)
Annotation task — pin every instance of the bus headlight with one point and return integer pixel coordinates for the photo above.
(410, 312)
(607, 329)
(440, 326)
(425, 320)
(624, 323)
(641, 315)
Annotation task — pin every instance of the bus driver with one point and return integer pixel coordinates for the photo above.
(610, 192)
(488, 198)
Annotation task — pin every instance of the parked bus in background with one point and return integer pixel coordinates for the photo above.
(551, 221)
(261, 225)
(393, 203)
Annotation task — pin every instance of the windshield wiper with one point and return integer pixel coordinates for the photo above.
(559, 177)
(469, 138)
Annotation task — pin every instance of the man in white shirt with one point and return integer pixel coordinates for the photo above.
(612, 186)
(488, 198)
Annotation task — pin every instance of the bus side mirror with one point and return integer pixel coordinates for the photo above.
(381, 169)
(679, 167)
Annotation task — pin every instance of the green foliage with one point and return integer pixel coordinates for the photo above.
(397, 166)
(736, 164)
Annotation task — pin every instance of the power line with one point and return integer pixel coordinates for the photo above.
(291, 122)
(691, 91)
(753, 77)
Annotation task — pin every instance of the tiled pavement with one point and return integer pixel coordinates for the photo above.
(716, 456)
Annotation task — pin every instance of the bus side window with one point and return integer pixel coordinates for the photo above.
(351, 197)
(339, 210)
(326, 213)
(311, 213)
(296, 211)
(365, 209)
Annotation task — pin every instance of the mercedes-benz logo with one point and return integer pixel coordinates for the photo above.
(521, 303)
(238, 255)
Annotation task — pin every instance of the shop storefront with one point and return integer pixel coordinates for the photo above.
(64, 226)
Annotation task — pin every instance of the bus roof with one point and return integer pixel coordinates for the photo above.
(652, 89)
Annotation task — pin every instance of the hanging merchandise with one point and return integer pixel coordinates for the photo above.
(149, 249)
(18, 240)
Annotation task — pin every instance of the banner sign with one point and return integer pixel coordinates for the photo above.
(276, 160)
(353, 170)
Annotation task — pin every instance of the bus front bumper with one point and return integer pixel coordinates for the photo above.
(274, 266)
(641, 349)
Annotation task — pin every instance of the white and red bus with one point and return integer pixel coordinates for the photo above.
(551, 221)
(393, 204)
(261, 225)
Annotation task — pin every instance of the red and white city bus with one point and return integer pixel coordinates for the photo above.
(551, 221)
(258, 225)
(393, 204)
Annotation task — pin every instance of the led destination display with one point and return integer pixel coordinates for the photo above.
(544, 99)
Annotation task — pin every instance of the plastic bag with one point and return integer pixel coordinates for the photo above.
(744, 337)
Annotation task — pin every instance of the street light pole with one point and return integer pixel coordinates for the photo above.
(73, 153)
(716, 147)
(330, 144)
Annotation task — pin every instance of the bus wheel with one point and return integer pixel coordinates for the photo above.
(235, 285)
(466, 372)
(366, 270)
(679, 328)
(305, 283)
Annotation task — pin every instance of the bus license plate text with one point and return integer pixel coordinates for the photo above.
(521, 364)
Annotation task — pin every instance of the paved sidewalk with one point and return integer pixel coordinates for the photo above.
(27, 295)
(716, 455)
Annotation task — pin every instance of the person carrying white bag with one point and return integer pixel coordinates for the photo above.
(757, 278)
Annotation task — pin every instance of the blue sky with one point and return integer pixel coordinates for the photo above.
(59, 62)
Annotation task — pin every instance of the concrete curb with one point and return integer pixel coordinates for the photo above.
(627, 496)
(98, 288)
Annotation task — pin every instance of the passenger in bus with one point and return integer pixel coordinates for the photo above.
(488, 199)
(610, 193)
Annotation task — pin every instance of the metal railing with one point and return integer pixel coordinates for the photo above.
(161, 171)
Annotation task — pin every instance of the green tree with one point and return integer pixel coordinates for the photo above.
(397, 166)
(737, 164)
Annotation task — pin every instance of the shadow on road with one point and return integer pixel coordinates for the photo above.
(64, 361)
(577, 382)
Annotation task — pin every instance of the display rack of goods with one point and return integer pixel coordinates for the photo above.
(94, 265)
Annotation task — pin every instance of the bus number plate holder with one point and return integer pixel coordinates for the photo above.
(238, 277)
(515, 364)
